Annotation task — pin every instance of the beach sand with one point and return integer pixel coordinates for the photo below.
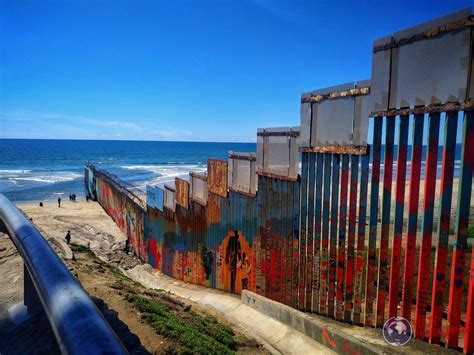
(100, 276)
(87, 221)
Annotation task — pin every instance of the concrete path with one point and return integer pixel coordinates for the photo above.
(278, 337)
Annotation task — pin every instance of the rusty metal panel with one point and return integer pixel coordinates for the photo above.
(182, 192)
(217, 176)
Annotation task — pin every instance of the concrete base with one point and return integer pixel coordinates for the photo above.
(339, 337)
(276, 336)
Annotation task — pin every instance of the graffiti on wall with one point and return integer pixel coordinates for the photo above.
(125, 213)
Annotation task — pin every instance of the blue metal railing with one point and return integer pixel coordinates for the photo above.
(77, 324)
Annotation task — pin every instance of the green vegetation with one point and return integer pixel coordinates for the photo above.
(78, 248)
(470, 232)
(117, 273)
(195, 333)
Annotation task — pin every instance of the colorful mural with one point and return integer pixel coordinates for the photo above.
(126, 213)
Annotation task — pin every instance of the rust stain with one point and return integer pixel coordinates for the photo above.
(182, 192)
(336, 149)
(217, 176)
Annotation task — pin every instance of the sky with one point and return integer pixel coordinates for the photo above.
(210, 70)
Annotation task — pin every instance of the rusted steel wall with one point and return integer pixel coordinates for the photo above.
(123, 207)
(217, 176)
(233, 243)
(363, 282)
(182, 192)
(335, 241)
(212, 245)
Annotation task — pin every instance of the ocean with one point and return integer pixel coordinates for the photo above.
(41, 170)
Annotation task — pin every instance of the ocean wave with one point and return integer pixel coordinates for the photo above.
(14, 171)
(52, 178)
(167, 170)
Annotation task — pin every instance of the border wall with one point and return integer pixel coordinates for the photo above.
(121, 203)
(352, 218)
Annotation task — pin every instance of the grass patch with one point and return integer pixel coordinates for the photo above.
(195, 333)
(78, 248)
(117, 273)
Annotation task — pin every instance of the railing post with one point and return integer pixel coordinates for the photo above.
(31, 299)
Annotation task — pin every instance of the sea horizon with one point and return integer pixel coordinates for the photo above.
(33, 170)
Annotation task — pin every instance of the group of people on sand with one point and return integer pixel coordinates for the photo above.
(72, 198)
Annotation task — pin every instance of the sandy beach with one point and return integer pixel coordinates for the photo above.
(98, 272)
(87, 221)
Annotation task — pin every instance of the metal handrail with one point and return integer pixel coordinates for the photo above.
(78, 325)
(128, 189)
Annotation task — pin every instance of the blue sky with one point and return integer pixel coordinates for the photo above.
(182, 70)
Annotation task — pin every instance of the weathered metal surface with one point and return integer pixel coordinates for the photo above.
(382, 280)
(374, 200)
(336, 149)
(323, 298)
(341, 244)
(198, 185)
(155, 197)
(455, 21)
(469, 329)
(277, 151)
(427, 226)
(351, 259)
(336, 117)
(217, 176)
(67, 305)
(360, 254)
(242, 172)
(170, 202)
(310, 233)
(461, 232)
(413, 204)
(426, 69)
(303, 230)
(317, 232)
(332, 120)
(398, 219)
(127, 214)
(465, 105)
(336, 159)
(446, 191)
(182, 192)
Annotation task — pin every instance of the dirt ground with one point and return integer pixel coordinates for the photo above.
(94, 255)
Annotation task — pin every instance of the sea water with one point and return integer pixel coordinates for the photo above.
(40, 170)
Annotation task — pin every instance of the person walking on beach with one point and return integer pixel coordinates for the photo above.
(59, 201)
(68, 237)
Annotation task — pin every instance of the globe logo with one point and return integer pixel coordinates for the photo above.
(397, 331)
